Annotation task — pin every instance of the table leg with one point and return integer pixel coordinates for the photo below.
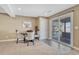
(17, 40)
(24, 39)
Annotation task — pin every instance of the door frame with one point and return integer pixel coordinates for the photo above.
(56, 18)
(63, 16)
(71, 16)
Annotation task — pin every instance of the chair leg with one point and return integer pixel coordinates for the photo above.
(17, 40)
(33, 42)
(27, 43)
(38, 38)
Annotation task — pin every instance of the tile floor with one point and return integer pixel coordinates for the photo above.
(61, 49)
(45, 47)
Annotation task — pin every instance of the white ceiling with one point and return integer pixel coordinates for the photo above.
(38, 9)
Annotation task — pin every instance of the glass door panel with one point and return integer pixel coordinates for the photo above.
(62, 29)
(65, 24)
(55, 29)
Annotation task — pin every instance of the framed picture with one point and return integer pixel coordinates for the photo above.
(27, 24)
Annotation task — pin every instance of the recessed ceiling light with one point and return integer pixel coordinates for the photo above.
(19, 9)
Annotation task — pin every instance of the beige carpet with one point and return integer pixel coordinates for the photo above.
(40, 48)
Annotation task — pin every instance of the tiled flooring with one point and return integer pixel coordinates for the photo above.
(61, 49)
(45, 47)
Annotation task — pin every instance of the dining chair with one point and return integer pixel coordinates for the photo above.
(37, 35)
(30, 38)
(18, 36)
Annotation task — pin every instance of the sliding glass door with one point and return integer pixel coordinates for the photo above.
(65, 25)
(62, 29)
(55, 30)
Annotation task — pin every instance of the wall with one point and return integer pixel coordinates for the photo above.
(37, 21)
(75, 11)
(8, 25)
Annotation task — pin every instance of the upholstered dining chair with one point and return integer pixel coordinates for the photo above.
(36, 33)
(30, 37)
(36, 36)
(18, 36)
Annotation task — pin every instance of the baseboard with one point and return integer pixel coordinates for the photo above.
(7, 40)
(76, 48)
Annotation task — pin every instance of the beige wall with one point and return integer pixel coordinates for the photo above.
(37, 21)
(8, 25)
(75, 10)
